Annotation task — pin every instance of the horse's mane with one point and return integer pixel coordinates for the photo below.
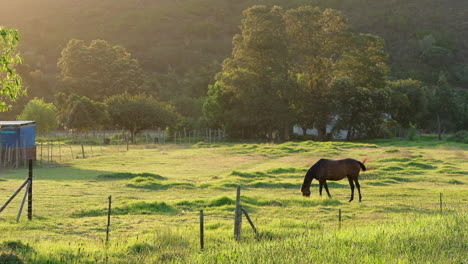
(312, 172)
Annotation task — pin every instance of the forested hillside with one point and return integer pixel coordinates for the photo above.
(180, 44)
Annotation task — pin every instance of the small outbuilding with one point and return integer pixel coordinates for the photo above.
(17, 142)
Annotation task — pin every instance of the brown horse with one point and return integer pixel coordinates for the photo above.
(333, 170)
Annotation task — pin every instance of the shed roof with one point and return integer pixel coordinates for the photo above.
(16, 123)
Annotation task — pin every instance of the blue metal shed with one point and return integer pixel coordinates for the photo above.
(17, 141)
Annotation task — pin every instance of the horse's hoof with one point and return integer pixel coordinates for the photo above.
(350, 200)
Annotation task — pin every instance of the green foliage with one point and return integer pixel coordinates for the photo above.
(359, 92)
(460, 136)
(45, 115)
(81, 113)
(289, 78)
(98, 70)
(317, 38)
(443, 105)
(252, 91)
(409, 102)
(137, 112)
(412, 132)
(183, 44)
(10, 81)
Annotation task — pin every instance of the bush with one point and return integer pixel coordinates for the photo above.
(460, 136)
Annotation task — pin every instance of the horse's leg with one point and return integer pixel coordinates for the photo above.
(321, 186)
(326, 189)
(358, 188)
(351, 184)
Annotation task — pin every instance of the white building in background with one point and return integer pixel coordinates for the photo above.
(312, 131)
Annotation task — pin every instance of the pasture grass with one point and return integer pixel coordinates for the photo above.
(158, 191)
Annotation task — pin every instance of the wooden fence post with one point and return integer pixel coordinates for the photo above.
(108, 219)
(202, 231)
(14, 195)
(339, 218)
(440, 202)
(30, 189)
(238, 216)
(250, 222)
(22, 203)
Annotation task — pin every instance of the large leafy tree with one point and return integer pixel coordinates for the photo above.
(10, 81)
(360, 95)
(45, 115)
(137, 112)
(317, 40)
(98, 70)
(254, 80)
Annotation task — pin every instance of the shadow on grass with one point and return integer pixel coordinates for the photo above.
(56, 174)
(128, 175)
(132, 208)
(16, 246)
(10, 258)
(152, 184)
(405, 209)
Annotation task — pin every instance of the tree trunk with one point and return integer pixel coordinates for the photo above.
(287, 135)
(304, 130)
(82, 149)
(132, 136)
(439, 129)
(322, 132)
(270, 133)
(348, 134)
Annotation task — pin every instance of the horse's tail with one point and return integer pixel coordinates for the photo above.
(362, 164)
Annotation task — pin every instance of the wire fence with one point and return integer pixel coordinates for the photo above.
(62, 146)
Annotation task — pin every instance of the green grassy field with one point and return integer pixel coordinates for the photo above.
(158, 190)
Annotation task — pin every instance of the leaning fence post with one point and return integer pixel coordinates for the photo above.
(30, 189)
(108, 218)
(202, 231)
(238, 216)
(13, 196)
(250, 222)
(22, 203)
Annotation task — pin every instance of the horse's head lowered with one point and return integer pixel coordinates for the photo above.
(305, 190)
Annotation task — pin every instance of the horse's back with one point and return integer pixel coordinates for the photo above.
(338, 169)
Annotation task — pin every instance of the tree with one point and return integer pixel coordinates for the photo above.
(360, 95)
(443, 105)
(10, 81)
(98, 70)
(81, 114)
(408, 102)
(45, 115)
(137, 112)
(317, 40)
(254, 80)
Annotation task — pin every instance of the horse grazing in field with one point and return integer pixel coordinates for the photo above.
(333, 170)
